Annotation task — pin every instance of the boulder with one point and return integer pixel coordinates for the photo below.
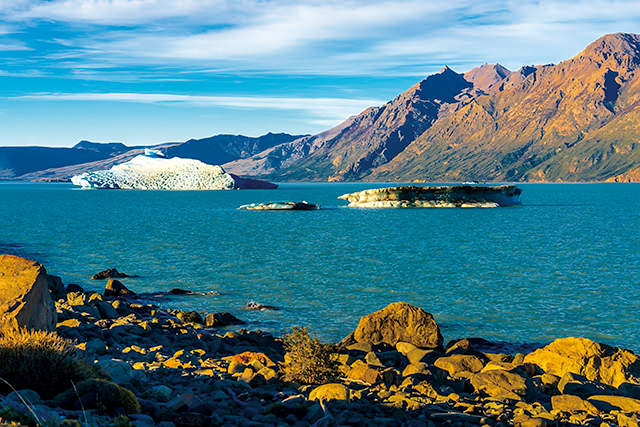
(330, 391)
(115, 288)
(190, 317)
(456, 364)
(569, 403)
(397, 322)
(578, 385)
(502, 385)
(609, 403)
(363, 372)
(597, 362)
(221, 319)
(25, 300)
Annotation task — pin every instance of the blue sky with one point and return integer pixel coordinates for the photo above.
(143, 72)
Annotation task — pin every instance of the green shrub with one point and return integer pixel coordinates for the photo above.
(307, 360)
(40, 361)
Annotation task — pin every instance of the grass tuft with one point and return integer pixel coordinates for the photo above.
(40, 361)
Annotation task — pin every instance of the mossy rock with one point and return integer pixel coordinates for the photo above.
(104, 394)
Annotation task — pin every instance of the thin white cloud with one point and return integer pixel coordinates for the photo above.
(318, 108)
(330, 37)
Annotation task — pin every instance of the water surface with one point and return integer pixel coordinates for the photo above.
(566, 262)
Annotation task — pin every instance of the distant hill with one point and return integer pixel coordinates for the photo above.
(43, 163)
(574, 121)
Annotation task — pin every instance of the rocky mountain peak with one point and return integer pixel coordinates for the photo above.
(615, 50)
(485, 77)
(443, 86)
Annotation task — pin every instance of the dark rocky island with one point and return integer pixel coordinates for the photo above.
(169, 368)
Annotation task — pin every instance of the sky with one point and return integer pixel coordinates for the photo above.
(144, 72)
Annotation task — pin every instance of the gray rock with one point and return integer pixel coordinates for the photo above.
(579, 385)
(106, 310)
(30, 397)
(116, 288)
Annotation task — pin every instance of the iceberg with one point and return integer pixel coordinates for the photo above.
(153, 171)
(446, 196)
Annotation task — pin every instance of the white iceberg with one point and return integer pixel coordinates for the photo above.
(154, 172)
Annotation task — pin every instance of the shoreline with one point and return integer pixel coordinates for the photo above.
(185, 373)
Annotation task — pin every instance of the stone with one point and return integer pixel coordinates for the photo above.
(190, 317)
(579, 385)
(115, 288)
(330, 391)
(397, 322)
(627, 421)
(109, 273)
(71, 287)
(248, 357)
(96, 346)
(458, 363)
(609, 403)
(77, 298)
(629, 390)
(268, 373)
(501, 384)
(421, 355)
(362, 372)
(193, 402)
(56, 287)
(106, 310)
(221, 319)
(31, 397)
(189, 419)
(597, 362)
(122, 307)
(162, 391)
(569, 403)
(25, 300)
(405, 347)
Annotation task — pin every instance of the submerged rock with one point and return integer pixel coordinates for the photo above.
(153, 172)
(110, 273)
(449, 196)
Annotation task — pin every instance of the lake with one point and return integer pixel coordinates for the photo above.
(564, 263)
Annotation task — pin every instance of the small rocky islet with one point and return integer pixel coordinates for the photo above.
(394, 368)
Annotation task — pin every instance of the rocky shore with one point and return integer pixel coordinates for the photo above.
(393, 370)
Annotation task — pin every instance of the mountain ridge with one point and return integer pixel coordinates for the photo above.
(554, 122)
(578, 120)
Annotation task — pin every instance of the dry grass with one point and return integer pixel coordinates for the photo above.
(40, 361)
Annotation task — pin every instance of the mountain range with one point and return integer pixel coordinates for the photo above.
(575, 121)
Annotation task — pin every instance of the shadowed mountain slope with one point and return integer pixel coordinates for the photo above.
(42, 163)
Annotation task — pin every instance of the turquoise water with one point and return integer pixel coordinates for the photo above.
(566, 262)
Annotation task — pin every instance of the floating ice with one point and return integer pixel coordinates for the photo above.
(154, 172)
